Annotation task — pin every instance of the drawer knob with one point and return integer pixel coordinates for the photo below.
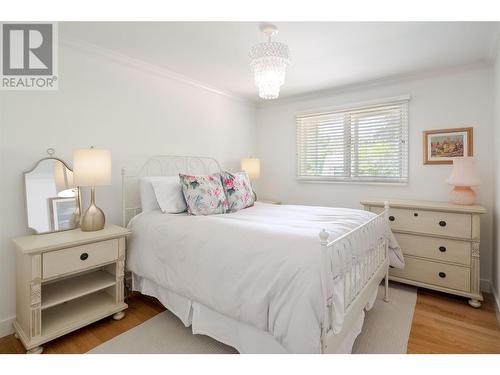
(415, 214)
(442, 223)
(392, 218)
(84, 256)
(442, 275)
(442, 249)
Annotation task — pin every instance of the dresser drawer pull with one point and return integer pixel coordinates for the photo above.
(84, 256)
(442, 275)
(442, 223)
(442, 249)
(415, 214)
(392, 218)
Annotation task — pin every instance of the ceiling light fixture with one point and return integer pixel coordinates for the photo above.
(269, 62)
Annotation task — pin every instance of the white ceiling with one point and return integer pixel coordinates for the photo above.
(325, 55)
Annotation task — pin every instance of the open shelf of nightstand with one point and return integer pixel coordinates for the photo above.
(77, 313)
(65, 290)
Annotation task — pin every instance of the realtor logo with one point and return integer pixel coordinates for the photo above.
(29, 56)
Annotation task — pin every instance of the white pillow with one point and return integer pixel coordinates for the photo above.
(169, 195)
(148, 197)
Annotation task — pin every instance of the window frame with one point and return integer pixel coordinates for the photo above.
(372, 180)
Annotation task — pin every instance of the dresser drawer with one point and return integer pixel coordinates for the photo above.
(430, 222)
(74, 259)
(440, 274)
(435, 248)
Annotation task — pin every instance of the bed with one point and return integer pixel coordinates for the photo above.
(266, 279)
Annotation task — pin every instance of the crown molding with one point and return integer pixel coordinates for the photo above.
(146, 67)
(430, 73)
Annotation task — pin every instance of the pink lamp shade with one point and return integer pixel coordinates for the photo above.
(463, 176)
(463, 173)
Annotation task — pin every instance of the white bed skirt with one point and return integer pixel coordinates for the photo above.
(241, 336)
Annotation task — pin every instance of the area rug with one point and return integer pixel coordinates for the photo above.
(387, 326)
(386, 330)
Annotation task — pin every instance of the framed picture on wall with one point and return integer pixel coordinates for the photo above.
(441, 146)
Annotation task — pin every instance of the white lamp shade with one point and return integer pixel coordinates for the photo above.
(252, 167)
(91, 167)
(463, 173)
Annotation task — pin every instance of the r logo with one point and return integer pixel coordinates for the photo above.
(27, 49)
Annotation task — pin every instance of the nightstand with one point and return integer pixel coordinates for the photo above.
(67, 280)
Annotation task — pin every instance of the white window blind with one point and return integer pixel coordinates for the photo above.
(368, 143)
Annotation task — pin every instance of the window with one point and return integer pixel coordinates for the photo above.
(368, 143)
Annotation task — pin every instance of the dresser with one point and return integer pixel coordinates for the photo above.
(67, 280)
(440, 244)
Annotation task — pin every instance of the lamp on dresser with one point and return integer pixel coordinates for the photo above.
(463, 176)
(92, 167)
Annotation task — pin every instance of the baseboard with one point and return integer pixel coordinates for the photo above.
(497, 302)
(6, 327)
(485, 285)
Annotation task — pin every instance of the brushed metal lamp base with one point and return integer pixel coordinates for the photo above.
(254, 194)
(93, 218)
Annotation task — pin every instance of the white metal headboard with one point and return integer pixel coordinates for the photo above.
(161, 165)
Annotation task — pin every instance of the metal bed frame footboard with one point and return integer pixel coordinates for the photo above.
(360, 281)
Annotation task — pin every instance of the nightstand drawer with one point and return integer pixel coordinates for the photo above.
(434, 273)
(74, 259)
(430, 222)
(435, 248)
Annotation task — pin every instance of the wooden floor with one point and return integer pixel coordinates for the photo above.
(441, 324)
(447, 324)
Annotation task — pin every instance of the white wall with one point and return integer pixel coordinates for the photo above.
(458, 99)
(133, 113)
(496, 212)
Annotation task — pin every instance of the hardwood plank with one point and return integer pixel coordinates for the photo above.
(446, 324)
(441, 324)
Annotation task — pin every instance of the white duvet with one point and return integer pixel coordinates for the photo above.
(260, 265)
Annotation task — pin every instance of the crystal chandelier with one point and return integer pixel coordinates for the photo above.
(269, 62)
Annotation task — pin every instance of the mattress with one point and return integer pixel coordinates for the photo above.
(259, 266)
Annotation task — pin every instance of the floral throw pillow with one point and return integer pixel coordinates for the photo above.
(204, 194)
(238, 190)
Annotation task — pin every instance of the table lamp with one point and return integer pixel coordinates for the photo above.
(92, 167)
(252, 167)
(463, 176)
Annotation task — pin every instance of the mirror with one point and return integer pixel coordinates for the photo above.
(52, 203)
